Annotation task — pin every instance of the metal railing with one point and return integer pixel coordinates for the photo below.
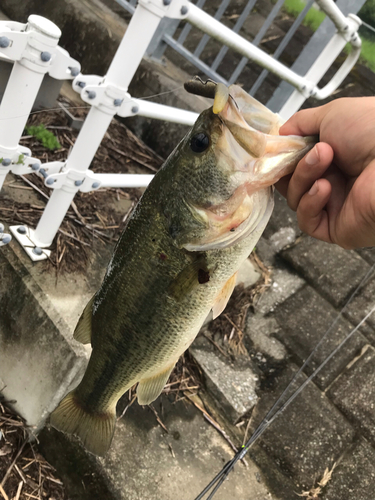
(168, 35)
(34, 49)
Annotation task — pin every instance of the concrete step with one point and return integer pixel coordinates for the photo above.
(146, 463)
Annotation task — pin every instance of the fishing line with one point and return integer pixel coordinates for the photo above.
(364, 280)
(46, 110)
(161, 93)
(63, 108)
(272, 414)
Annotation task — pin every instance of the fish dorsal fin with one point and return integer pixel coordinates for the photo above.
(223, 297)
(82, 333)
(150, 388)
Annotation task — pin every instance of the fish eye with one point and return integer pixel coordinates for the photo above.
(199, 142)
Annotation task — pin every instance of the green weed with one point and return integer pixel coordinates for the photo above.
(313, 18)
(43, 135)
(368, 53)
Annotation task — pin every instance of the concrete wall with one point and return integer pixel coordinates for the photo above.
(38, 363)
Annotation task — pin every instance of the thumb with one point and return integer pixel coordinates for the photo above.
(305, 122)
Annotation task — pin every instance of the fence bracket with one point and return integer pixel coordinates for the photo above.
(72, 180)
(25, 237)
(175, 9)
(108, 97)
(34, 44)
(4, 237)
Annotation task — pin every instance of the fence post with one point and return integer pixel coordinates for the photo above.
(311, 52)
(157, 45)
(33, 55)
(106, 95)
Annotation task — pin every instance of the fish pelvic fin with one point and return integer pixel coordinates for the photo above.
(94, 429)
(223, 297)
(82, 333)
(150, 388)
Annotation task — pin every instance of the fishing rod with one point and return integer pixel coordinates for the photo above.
(273, 413)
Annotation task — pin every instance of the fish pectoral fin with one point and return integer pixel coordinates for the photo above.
(95, 429)
(150, 388)
(193, 275)
(82, 333)
(223, 297)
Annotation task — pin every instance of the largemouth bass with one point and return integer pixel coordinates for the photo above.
(177, 259)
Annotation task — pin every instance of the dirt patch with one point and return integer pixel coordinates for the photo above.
(24, 474)
(99, 214)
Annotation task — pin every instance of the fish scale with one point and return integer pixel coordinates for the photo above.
(176, 260)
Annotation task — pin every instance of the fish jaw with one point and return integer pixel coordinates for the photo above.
(253, 161)
(269, 155)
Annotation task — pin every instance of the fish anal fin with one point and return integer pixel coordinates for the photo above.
(93, 428)
(224, 296)
(82, 332)
(150, 388)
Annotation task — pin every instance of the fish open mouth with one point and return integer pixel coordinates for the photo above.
(256, 157)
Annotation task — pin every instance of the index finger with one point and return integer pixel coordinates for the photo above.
(305, 122)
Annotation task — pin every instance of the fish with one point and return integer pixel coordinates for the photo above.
(177, 259)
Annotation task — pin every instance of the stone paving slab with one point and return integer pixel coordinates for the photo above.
(354, 394)
(283, 284)
(233, 385)
(282, 238)
(304, 318)
(333, 271)
(265, 252)
(354, 477)
(361, 305)
(368, 254)
(282, 216)
(260, 337)
(310, 435)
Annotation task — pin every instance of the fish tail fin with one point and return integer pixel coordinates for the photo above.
(93, 428)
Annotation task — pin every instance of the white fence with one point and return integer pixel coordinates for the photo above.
(34, 49)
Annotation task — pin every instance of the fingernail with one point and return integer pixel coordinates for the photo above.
(314, 189)
(312, 156)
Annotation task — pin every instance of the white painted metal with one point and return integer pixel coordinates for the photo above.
(25, 47)
(112, 87)
(217, 30)
(306, 86)
(4, 237)
(27, 241)
(324, 61)
(123, 180)
(33, 47)
(334, 13)
(162, 112)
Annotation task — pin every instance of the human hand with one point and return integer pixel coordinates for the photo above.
(333, 187)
